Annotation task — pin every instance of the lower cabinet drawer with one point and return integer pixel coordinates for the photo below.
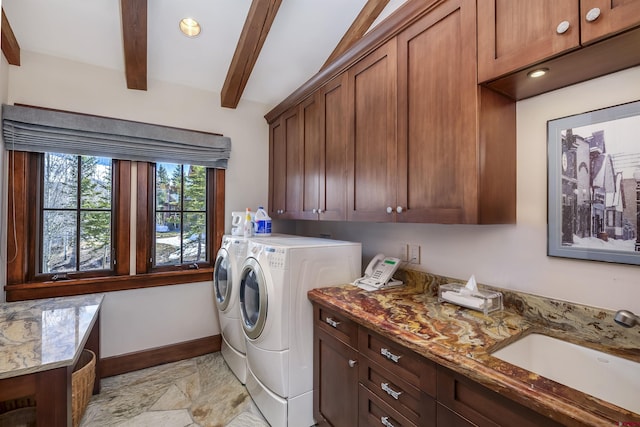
(399, 360)
(336, 324)
(407, 399)
(374, 412)
(482, 406)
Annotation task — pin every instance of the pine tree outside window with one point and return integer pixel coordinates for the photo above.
(180, 235)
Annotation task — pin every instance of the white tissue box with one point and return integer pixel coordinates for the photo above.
(485, 301)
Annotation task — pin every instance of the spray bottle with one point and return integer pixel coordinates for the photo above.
(248, 225)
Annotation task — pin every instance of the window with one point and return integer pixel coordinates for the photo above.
(75, 219)
(69, 223)
(180, 215)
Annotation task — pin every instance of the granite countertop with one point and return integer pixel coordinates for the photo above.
(462, 340)
(44, 334)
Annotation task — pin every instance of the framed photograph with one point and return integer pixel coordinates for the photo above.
(594, 185)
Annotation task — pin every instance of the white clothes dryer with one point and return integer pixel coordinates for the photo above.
(277, 319)
(226, 283)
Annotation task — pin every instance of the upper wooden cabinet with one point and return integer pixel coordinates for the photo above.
(371, 154)
(285, 165)
(615, 16)
(312, 146)
(576, 40)
(438, 140)
(422, 141)
(417, 151)
(513, 34)
(308, 157)
(333, 163)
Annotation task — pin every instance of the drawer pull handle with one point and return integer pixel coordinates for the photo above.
(352, 363)
(332, 322)
(385, 422)
(391, 392)
(386, 353)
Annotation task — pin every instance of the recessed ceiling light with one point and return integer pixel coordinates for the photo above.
(537, 73)
(189, 27)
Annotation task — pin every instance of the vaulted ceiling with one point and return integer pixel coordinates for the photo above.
(258, 50)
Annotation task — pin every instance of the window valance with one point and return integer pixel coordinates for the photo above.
(41, 130)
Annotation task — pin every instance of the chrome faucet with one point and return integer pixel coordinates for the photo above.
(626, 318)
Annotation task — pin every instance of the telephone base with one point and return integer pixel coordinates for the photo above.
(390, 284)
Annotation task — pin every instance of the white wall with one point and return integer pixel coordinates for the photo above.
(514, 256)
(147, 318)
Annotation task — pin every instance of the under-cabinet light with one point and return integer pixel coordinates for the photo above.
(537, 73)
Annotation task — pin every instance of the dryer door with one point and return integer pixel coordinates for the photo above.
(222, 279)
(253, 298)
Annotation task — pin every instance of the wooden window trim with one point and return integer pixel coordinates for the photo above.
(21, 251)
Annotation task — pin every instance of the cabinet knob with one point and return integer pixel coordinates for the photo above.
(389, 209)
(352, 363)
(593, 14)
(562, 27)
(320, 211)
(399, 209)
(315, 210)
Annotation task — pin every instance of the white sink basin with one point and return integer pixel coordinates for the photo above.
(610, 378)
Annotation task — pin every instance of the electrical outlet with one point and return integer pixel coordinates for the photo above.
(402, 252)
(414, 254)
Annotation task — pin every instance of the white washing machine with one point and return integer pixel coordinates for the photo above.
(277, 319)
(226, 283)
(226, 279)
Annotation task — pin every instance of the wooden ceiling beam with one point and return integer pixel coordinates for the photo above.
(10, 46)
(134, 32)
(358, 28)
(254, 33)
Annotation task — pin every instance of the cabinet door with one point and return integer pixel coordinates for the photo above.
(615, 16)
(313, 147)
(285, 164)
(437, 110)
(333, 162)
(335, 382)
(513, 34)
(448, 418)
(371, 154)
(277, 168)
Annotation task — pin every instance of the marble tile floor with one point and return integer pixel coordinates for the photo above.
(198, 392)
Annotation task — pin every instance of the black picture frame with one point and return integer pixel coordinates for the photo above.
(593, 170)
